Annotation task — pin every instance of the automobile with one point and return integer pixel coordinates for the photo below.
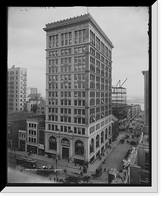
(45, 170)
(127, 136)
(122, 141)
(72, 178)
(132, 142)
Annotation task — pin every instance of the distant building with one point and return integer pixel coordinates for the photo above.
(33, 91)
(32, 99)
(30, 104)
(119, 97)
(78, 89)
(41, 107)
(17, 82)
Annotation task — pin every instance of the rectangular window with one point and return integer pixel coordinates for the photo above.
(61, 128)
(79, 120)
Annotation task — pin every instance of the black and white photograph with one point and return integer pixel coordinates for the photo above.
(79, 109)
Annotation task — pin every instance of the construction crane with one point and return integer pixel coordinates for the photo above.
(123, 82)
(119, 83)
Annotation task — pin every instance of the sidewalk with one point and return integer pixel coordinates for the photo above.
(61, 163)
(67, 165)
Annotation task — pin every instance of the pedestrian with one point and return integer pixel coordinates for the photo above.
(104, 169)
(54, 179)
(57, 179)
(50, 178)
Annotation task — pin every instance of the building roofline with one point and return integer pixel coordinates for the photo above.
(74, 20)
(119, 87)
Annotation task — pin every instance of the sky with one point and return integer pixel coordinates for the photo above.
(126, 27)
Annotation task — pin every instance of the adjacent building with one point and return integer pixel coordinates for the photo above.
(17, 82)
(78, 89)
(115, 127)
(35, 134)
(15, 122)
(146, 100)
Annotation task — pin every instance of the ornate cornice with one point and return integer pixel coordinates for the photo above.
(74, 20)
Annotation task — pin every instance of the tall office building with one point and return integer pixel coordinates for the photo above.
(78, 89)
(17, 82)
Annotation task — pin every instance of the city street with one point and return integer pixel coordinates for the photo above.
(29, 176)
(114, 159)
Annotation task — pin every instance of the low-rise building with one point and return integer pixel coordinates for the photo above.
(35, 134)
(16, 122)
(22, 140)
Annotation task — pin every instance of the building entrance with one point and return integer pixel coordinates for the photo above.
(65, 152)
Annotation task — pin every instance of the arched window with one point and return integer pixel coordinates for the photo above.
(97, 141)
(52, 143)
(79, 148)
(65, 141)
(92, 146)
(102, 137)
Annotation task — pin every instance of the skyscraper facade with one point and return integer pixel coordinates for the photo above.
(78, 89)
(17, 83)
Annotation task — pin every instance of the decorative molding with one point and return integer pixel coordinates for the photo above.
(74, 20)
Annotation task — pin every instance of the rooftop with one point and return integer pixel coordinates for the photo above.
(42, 104)
(74, 20)
(20, 116)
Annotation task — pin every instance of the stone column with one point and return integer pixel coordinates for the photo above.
(71, 147)
(58, 145)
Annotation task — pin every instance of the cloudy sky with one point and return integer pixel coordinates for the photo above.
(126, 27)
